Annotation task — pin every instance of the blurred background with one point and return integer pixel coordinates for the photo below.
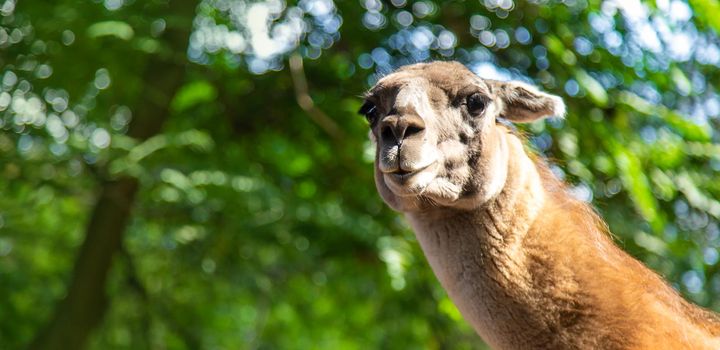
(193, 175)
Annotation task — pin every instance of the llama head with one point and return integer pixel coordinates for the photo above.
(437, 142)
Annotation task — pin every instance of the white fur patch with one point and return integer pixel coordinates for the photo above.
(414, 95)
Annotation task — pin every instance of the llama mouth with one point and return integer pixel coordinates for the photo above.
(403, 175)
(410, 182)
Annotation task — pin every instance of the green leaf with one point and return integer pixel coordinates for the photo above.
(695, 195)
(708, 11)
(554, 45)
(195, 139)
(595, 90)
(192, 94)
(118, 29)
(637, 185)
(682, 83)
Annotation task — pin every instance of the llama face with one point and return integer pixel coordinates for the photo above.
(436, 139)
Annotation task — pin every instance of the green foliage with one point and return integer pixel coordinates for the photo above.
(194, 93)
(257, 224)
(118, 29)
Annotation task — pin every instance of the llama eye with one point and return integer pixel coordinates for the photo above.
(475, 103)
(369, 110)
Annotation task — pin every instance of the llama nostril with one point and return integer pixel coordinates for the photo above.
(414, 125)
(395, 129)
(387, 134)
(413, 129)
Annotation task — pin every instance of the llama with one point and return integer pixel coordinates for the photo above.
(528, 266)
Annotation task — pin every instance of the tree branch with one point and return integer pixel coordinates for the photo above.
(306, 102)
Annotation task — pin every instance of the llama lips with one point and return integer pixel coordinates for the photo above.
(404, 182)
(402, 176)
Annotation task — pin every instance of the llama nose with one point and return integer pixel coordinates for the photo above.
(398, 128)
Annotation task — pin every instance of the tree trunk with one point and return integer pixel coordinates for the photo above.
(85, 303)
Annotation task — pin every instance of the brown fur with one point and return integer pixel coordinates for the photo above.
(527, 265)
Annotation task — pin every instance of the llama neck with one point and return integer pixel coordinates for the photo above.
(532, 268)
(478, 256)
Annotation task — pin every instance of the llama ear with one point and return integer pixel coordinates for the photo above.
(523, 103)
